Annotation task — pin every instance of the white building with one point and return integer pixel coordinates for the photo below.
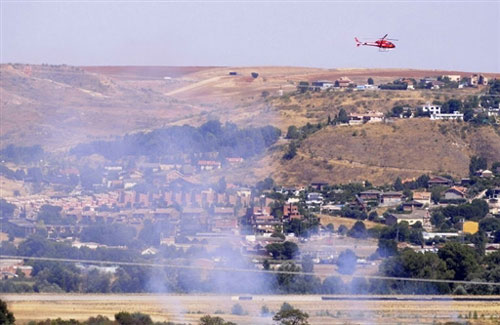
(369, 117)
(322, 84)
(456, 115)
(432, 109)
(314, 198)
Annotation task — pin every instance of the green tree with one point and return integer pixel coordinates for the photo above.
(95, 281)
(307, 264)
(99, 320)
(291, 317)
(387, 247)
(264, 311)
(125, 318)
(398, 184)
(418, 265)
(275, 250)
(397, 111)
(6, 317)
(290, 250)
(50, 214)
(495, 167)
(287, 250)
(343, 230)
(285, 306)
(209, 320)
(468, 114)
(293, 132)
(6, 209)
(436, 193)
(370, 81)
(423, 181)
(287, 282)
(358, 230)
(451, 106)
(489, 224)
(346, 262)
(477, 163)
(459, 258)
(332, 285)
(342, 117)
(291, 151)
(266, 265)
(237, 309)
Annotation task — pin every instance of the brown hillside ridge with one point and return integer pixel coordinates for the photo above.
(61, 106)
(381, 152)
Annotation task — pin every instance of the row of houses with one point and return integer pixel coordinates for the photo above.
(474, 80)
(262, 221)
(175, 222)
(320, 85)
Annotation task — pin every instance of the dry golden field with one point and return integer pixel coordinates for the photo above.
(187, 309)
(337, 221)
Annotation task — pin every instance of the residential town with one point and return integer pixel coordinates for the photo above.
(434, 111)
(171, 195)
(252, 216)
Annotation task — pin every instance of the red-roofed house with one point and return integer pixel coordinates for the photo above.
(455, 193)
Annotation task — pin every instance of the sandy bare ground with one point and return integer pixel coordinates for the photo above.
(189, 308)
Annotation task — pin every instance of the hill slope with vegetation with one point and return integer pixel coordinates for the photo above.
(381, 152)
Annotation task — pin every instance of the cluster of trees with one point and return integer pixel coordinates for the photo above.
(283, 251)
(19, 155)
(115, 234)
(6, 316)
(400, 232)
(394, 86)
(121, 318)
(492, 99)
(398, 111)
(449, 217)
(297, 135)
(477, 163)
(228, 140)
(454, 261)
(6, 209)
(8, 173)
(287, 315)
(467, 108)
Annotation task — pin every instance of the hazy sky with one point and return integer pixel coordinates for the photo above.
(455, 35)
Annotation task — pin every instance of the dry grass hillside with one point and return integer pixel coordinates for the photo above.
(316, 106)
(378, 153)
(381, 152)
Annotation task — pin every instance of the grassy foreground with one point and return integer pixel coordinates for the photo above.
(189, 308)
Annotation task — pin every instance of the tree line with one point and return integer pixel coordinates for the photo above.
(228, 140)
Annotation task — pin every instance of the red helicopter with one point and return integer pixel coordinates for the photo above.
(382, 43)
